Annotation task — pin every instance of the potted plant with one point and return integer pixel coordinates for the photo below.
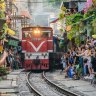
(61, 16)
(3, 71)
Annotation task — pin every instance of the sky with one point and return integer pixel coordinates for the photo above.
(41, 12)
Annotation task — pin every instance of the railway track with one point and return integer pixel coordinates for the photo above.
(41, 86)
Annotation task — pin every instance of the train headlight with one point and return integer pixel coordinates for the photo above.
(37, 32)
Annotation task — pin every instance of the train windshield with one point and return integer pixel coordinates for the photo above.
(37, 34)
(46, 34)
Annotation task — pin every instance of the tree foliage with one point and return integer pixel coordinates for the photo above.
(82, 20)
(2, 18)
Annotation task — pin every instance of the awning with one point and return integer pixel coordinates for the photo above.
(54, 21)
(10, 32)
(25, 14)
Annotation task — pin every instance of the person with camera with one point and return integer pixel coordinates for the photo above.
(87, 61)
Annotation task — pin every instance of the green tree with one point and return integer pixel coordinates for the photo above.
(94, 25)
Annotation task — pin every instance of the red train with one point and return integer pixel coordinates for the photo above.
(37, 44)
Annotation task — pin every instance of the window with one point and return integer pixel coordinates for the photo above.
(44, 35)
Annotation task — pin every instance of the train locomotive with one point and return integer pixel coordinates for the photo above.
(37, 44)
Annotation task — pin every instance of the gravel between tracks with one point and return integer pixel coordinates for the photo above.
(39, 83)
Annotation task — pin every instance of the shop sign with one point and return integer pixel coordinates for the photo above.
(13, 42)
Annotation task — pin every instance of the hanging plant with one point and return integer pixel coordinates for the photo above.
(81, 24)
(2, 9)
(5, 26)
(70, 35)
(2, 36)
(2, 5)
(61, 30)
(2, 14)
(94, 23)
(94, 30)
(63, 8)
(77, 40)
(75, 27)
(69, 19)
(94, 11)
(3, 31)
(85, 15)
(77, 17)
(91, 13)
(61, 16)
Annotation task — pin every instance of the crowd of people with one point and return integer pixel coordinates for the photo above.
(80, 62)
(10, 60)
(13, 60)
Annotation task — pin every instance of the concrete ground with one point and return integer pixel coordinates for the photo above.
(82, 86)
(8, 86)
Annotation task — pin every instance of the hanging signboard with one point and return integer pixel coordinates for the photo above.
(13, 42)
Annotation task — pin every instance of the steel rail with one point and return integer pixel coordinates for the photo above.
(58, 88)
(36, 92)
